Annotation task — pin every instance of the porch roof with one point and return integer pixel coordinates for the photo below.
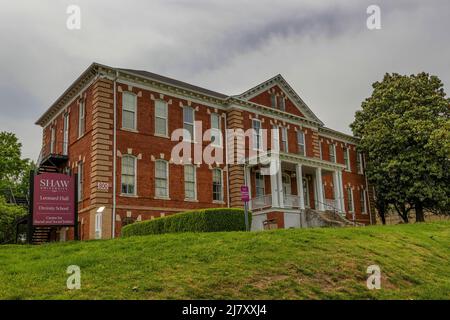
(262, 158)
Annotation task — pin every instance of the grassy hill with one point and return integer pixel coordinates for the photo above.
(280, 264)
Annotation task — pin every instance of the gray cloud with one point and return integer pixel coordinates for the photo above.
(321, 47)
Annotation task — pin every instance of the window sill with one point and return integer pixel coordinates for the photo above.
(129, 195)
(190, 200)
(161, 136)
(129, 130)
(161, 198)
(218, 201)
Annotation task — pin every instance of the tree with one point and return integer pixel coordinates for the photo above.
(404, 133)
(8, 215)
(13, 169)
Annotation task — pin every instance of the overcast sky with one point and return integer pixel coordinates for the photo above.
(322, 48)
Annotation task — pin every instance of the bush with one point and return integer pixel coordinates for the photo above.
(8, 215)
(202, 220)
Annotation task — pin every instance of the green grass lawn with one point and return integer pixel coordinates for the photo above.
(280, 264)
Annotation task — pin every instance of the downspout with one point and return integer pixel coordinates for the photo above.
(226, 162)
(113, 220)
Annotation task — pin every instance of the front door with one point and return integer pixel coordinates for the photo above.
(306, 192)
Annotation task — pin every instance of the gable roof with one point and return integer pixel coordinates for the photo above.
(290, 92)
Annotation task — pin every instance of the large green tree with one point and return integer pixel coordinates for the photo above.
(13, 169)
(404, 131)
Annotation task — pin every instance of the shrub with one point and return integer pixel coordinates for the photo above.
(202, 220)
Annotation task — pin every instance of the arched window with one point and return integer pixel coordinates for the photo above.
(128, 175)
(161, 179)
(217, 185)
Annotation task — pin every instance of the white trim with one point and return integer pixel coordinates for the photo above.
(334, 152)
(347, 159)
(81, 117)
(167, 179)
(221, 185)
(135, 175)
(66, 133)
(135, 111)
(285, 134)
(352, 209)
(219, 130)
(195, 182)
(363, 193)
(300, 132)
(192, 140)
(166, 134)
(52, 139)
(259, 140)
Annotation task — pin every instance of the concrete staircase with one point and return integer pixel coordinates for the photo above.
(312, 218)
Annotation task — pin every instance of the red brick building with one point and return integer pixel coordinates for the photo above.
(113, 128)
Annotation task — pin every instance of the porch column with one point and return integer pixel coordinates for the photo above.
(341, 191)
(319, 188)
(337, 191)
(300, 194)
(248, 183)
(280, 187)
(274, 189)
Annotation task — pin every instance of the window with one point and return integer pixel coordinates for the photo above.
(276, 138)
(188, 123)
(80, 181)
(332, 149)
(129, 111)
(189, 182)
(301, 142)
(259, 184)
(350, 200)
(52, 140)
(273, 100)
(98, 225)
(320, 150)
(161, 179)
(346, 159)
(161, 118)
(359, 166)
(281, 103)
(66, 134)
(216, 132)
(257, 137)
(128, 175)
(81, 118)
(284, 139)
(362, 199)
(217, 185)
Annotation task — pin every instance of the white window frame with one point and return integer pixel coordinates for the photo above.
(284, 139)
(166, 164)
(257, 135)
(80, 180)
(98, 225)
(81, 118)
(281, 103)
(221, 184)
(362, 200)
(195, 181)
(350, 200)
(216, 132)
(320, 150)
(332, 146)
(166, 133)
(66, 134)
(274, 100)
(359, 163)
(128, 109)
(134, 193)
(302, 134)
(193, 123)
(261, 178)
(347, 159)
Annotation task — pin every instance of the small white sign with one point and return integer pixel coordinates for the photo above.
(103, 186)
